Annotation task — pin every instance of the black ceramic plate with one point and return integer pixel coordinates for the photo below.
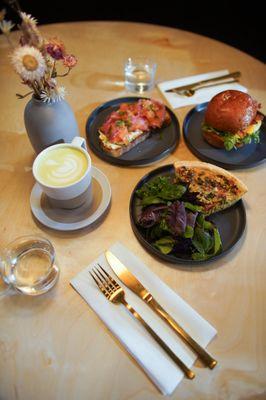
(230, 222)
(247, 156)
(156, 147)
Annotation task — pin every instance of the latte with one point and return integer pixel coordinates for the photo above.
(61, 166)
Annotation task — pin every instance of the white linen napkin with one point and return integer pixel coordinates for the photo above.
(201, 95)
(137, 341)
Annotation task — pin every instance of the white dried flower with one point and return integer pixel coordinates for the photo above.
(45, 97)
(54, 95)
(29, 63)
(61, 93)
(6, 26)
(28, 19)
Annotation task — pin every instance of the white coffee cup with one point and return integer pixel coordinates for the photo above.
(69, 195)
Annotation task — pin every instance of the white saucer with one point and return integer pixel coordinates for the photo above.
(78, 218)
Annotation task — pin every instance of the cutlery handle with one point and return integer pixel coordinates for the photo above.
(204, 356)
(223, 82)
(194, 85)
(236, 74)
(189, 374)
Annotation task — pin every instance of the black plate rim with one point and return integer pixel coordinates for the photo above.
(197, 153)
(173, 259)
(129, 163)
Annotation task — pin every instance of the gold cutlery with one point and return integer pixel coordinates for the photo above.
(197, 85)
(136, 286)
(114, 293)
(191, 92)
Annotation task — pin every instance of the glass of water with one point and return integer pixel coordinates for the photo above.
(139, 74)
(28, 265)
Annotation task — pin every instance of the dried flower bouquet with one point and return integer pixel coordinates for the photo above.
(36, 59)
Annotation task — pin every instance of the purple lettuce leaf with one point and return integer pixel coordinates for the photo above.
(191, 218)
(151, 215)
(177, 218)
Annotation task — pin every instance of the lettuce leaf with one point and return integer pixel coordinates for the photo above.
(232, 139)
(160, 190)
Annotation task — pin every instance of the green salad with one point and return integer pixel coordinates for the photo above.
(173, 222)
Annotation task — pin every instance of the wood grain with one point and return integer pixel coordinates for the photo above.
(54, 346)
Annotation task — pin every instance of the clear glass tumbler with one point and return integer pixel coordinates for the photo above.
(139, 74)
(28, 265)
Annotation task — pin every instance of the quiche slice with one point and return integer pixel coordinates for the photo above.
(213, 187)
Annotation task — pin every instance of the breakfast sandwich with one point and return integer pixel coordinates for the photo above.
(232, 120)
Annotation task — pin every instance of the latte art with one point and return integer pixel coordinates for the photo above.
(62, 166)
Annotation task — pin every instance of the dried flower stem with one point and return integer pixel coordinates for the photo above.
(22, 96)
(36, 88)
(9, 41)
(65, 74)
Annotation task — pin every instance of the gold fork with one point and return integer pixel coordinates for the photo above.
(114, 293)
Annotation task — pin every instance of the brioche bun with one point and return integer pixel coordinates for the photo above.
(231, 111)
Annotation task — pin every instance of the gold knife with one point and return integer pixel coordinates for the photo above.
(193, 85)
(136, 286)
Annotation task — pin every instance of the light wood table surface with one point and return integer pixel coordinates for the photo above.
(54, 347)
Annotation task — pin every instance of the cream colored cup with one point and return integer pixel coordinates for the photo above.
(70, 195)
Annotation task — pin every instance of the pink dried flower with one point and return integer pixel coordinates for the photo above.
(70, 61)
(55, 48)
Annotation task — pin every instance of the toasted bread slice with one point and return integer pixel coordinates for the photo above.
(119, 150)
(116, 150)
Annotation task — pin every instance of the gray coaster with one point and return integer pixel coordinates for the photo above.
(77, 218)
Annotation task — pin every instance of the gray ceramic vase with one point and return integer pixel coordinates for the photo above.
(49, 123)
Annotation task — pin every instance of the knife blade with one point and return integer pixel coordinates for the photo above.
(136, 286)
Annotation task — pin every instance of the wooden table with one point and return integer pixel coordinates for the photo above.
(54, 346)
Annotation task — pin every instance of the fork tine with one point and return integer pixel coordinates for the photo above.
(104, 277)
(95, 280)
(107, 285)
(112, 280)
(99, 283)
(99, 276)
(106, 273)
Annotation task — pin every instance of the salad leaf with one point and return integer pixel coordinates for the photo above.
(192, 207)
(151, 215)
(189, 232)
(165, 244)
(177, 218)
(217, 241)
(201, 221)
(230, 141)
(202, 240)
(160, 190)
(191, 220)
(217, 245)
(146, 201)
(200, 256)
(156, 232)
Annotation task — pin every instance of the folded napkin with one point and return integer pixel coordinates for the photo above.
(151, 357)
(201, 95)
